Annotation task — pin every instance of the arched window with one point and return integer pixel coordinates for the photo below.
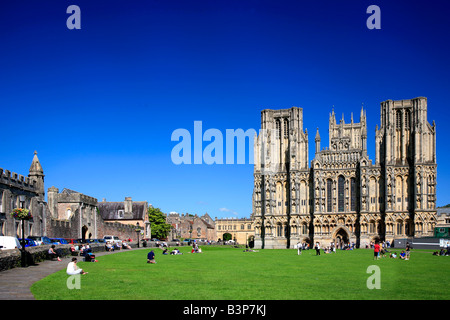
(341, 183)
(286, 128)
(353, 194)
(407, 119)
(278, 126)
(329, 199)
(304, 228)
(398, 119)
(279, 230)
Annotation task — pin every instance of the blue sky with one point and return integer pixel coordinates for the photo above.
(100, 104)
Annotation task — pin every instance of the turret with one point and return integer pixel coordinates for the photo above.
(37, 174)
(317, 139)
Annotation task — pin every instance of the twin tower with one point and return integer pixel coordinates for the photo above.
(342, 196)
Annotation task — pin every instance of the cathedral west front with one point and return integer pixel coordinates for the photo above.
(343, 196)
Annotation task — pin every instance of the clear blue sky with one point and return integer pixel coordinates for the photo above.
(100, 104)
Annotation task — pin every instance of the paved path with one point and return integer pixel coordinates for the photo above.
(15, 283)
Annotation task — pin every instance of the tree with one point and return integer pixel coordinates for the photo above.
(160, 229)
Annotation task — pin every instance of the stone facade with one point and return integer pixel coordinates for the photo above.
(68, 214)
(240, 229)
(17, 191)
(129, 212)
(343, 196)
(188, 226)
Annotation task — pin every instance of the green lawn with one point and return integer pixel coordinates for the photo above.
(230, 274)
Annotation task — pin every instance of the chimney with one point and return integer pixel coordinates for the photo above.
(128, 204)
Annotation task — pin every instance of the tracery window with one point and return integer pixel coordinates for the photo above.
(353, 194)
(329, 199)
(286, 128)
(341, 182)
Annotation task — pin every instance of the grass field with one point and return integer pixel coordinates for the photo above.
(230, 274)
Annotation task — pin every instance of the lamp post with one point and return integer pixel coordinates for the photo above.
(138, 231)
(23, 252)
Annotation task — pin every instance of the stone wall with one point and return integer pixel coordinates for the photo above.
(12, 258)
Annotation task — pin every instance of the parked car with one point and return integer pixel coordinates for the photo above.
(40, 240)
(9, 243)
(72, 241)
(58, 241)
(29, 243)
(114, 239)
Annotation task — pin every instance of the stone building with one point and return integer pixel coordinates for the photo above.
(66, 214)
(74, 215)
(343, 196)
(443, 217)
(239, 230)
(189, 226)
(18, 191)
(129, 212)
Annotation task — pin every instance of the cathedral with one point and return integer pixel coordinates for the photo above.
(342, 196)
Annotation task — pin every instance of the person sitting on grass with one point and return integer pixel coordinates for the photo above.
(403, 255)
(151, 257)
(72, 268)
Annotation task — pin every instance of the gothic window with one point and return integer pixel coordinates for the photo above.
(286, 128)
(398, 119)
(353, 194)
(341, 183)
(399, 227)
(304, 228)
(407, 119)
(1, 201)
(278, 126)
(371, 227)
(329, 202)
(279, 230)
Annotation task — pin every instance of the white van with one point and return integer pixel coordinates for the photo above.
(112, 239)
(9, 243)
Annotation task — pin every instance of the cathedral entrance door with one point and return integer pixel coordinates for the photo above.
(341, 237)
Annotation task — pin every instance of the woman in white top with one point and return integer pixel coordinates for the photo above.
(73, 269)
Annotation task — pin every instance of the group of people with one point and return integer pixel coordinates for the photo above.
(442, 252)
(384, 244)
(379, 251)
(196, 248)
(173, 252)
(327, 249)
(112, 246)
